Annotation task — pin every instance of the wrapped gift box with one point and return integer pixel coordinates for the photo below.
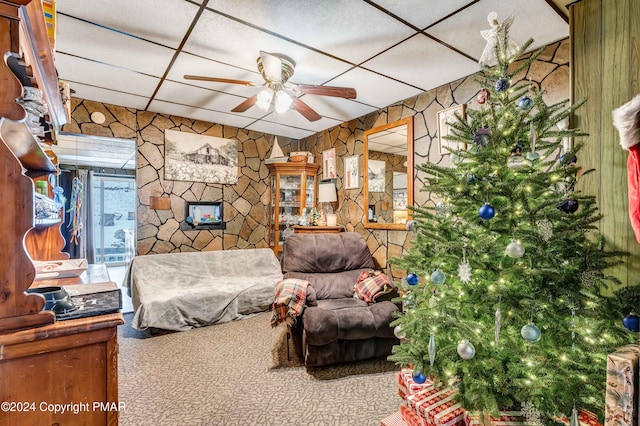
(393, 420)
(406, 384)
(410, 417)
(622, 399)
(437, 406)
(506, 418)
(585, 418)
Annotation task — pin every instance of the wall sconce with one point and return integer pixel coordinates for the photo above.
(157, 202)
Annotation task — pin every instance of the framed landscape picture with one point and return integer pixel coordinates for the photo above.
(445, 118)
(352, 172)
(198, 158)
(376, 176)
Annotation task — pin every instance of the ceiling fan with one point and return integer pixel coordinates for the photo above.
(276, 70)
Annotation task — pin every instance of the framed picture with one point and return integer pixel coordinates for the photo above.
(445, 118)
(329, 164)
(376, 175)
(197, 158)
(351, 172)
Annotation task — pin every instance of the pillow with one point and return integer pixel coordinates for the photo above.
(370, 285)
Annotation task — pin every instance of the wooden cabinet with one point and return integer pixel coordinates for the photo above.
(293, 192)
(43, 362)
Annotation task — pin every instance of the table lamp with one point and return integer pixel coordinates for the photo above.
(326, 196)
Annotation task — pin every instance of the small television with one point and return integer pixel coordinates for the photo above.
(204, 215)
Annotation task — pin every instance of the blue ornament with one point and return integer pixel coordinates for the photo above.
(487, 211)
(437, 277)
(563, 158)
(419, 377)
(568, 206)
(631, 322)
(189, 219)
(412, 279)
(531, 333)
(502, 85)
(524, 103)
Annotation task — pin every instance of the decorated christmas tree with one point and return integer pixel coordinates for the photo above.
(503, 296)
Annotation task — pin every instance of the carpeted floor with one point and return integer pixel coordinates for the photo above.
(237, 374)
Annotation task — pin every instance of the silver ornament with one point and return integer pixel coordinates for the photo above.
(443, 209)
(545, 229)
(530, 333)
(575, 421)
(432, 300)
(498, 321)
(399, 333)
(432, 349)
(516, 162)
(514, 249)
(466, 350)
(464, 272)
(589, 278)
(531, 414)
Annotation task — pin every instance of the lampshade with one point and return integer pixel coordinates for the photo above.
(327, 192)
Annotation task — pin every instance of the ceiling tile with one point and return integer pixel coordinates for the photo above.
(110, 47)
(431, 64)
(113, 97)
(199, 114)
(353, 31)
(79, 70)
(374, 89)
(170, 18)
(230, 42)
(547, 27)
(272, 128)
(198, 97)
(337, 108)
(421, 13)
(294, 119)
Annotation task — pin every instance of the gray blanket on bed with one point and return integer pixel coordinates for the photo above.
(180, 291)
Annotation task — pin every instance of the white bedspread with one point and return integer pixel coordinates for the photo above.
(180, 291)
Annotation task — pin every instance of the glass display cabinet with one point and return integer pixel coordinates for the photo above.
(293, 195)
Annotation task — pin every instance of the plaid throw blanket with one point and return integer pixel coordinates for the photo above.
(290, 297)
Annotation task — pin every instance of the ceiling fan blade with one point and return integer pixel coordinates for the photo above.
(248, 103)
(338, 92)
(305, 110)
(272, 66)
(219, 80)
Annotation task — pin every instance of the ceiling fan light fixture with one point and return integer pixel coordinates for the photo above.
(283, 101)
(264, 99)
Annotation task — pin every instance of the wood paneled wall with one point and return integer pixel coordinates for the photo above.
(605, 65)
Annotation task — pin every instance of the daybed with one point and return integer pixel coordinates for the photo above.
(180, 291)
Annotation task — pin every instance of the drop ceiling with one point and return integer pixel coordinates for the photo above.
(135, 53)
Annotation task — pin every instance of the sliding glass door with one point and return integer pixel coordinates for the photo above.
(114, 218)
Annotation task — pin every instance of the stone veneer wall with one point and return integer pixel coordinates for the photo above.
(549, 72)
(245, 203)
(158, 231)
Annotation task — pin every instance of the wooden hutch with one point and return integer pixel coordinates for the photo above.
(293, 191)
(43, 362)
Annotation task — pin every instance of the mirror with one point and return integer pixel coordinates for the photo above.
(388, 177)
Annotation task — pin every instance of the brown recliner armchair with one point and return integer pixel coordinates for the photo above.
(335, 327)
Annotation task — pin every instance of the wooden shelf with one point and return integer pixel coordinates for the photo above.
(17, 136)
